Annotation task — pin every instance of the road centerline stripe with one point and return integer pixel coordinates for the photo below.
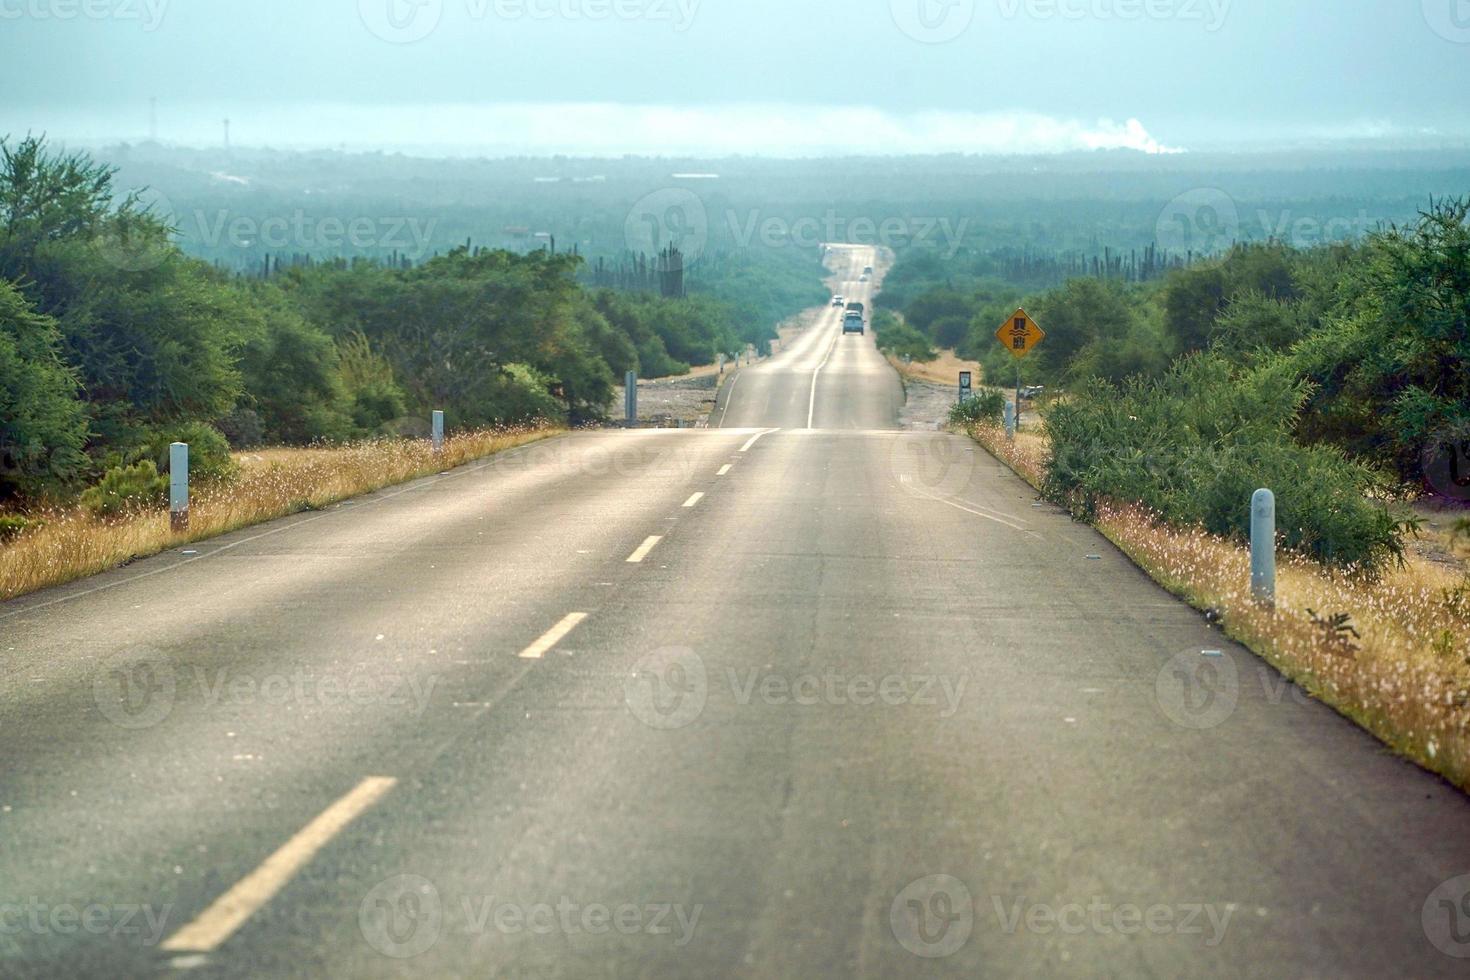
(756, 438)
(692, 501)
(232, 909)
(725, 469)
(644, 548)
(553, 636)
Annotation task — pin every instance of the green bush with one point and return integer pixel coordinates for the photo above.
(13, 526)
(1194, 445)
(988, 407)
(127, 489)
(899, 339)
(209, 451)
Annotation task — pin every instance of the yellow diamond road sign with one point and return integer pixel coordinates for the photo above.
(1020, 334)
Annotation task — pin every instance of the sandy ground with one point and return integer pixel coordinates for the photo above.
(933, 386)
(679, 402)
(944, 370)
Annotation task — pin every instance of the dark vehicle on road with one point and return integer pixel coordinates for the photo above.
(853, 322)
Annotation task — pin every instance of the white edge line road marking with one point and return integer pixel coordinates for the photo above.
(969, 510)
(232, 909)
(757, 438)
(293, 521)
(811, 408)
(553, 636)
(694, 500)
(725, 469)
(728, 395)
(644, 549)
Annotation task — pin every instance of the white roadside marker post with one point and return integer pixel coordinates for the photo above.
(1263, 547)
(438, 432)
(178, 486)
(630, 398)
(1010, 417)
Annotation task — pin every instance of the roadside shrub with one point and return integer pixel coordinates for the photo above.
(209, 451)
(1194, 445)
(13, 526)
(899, 339)
(243, 428)
(949, 331)
(125, 490)
(988, 407)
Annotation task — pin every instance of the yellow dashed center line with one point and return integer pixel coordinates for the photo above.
(644, 549)
(553, 636)
(232, 909)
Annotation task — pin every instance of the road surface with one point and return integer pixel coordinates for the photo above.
(799, 695)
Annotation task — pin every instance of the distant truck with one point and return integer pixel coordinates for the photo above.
(867, 270)
(856, 307)
(852, 322)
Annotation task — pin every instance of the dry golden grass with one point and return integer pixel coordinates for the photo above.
(1026, 454)
(271, 483)
(1405, 677)
(944, 370)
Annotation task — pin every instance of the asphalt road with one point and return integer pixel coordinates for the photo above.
(860, 707)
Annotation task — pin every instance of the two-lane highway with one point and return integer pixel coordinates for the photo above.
(826, 379)
(798, 695)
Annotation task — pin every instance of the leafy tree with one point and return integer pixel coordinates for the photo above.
(899, 339)
(291, 374)
(1390, 370)
(146, 331)
(935, 305)
(42, 422)
(1193, 301)
(950, 331)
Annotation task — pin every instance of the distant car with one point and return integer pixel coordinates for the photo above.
(856, 307)
(867, 270)
(864, 278)
(837, 301)
(853, 323)
(1033, 391)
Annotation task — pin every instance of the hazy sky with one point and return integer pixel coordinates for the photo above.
(755, 76)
